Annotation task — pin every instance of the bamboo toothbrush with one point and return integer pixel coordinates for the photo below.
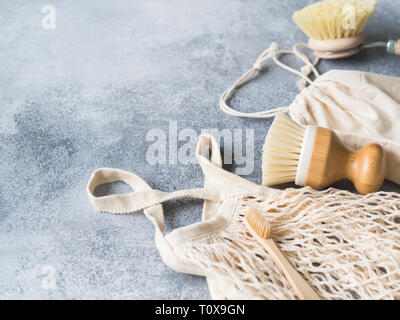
(260, 229)
(335, 27)
(313, 156)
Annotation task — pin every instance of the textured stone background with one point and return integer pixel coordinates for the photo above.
(85, 95)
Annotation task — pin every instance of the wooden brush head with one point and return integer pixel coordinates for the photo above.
(313, 156)
(331, 162)
(337, 48)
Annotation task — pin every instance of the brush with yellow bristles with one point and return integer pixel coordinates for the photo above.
(314, 156)
(335, 27)
(260, 229)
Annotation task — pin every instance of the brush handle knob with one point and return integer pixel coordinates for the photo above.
(367, 168)
(331, 162)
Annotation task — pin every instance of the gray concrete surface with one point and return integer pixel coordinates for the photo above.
(86, 94)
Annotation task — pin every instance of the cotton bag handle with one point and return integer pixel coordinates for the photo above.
(225, 183)
(144, 197)
(271, 53)
(218, 185)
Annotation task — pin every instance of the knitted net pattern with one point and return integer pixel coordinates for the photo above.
(345, 245)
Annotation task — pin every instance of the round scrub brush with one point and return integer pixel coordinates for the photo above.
(335, 27)
(313, 156)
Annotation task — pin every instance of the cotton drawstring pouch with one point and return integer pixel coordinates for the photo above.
(345, 245)
(360, 107)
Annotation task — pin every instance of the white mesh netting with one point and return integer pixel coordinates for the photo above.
(345, 245)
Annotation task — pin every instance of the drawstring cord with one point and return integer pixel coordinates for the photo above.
(272, 52)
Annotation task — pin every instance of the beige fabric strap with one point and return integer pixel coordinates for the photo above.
(218, 185)
(271, 53)
(215, 188)
(138, 200)
(215, 177)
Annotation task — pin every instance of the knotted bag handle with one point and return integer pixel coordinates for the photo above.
(271, 53)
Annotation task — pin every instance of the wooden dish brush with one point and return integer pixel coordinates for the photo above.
(335, 27)
(313, 156)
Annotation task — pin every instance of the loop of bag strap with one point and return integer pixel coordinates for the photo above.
(143, 197)
(122, 203)
(271, 53)
(216, 178)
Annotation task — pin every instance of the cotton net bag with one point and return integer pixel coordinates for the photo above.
(345, 245)
(360, 107)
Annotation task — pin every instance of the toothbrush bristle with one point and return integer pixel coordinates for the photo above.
(259, 223)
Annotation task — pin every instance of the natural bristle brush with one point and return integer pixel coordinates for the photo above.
(335, 28)
(313, 156)
(259, 228)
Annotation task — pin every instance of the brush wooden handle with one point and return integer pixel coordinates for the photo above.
(331, 162)
(301, 287)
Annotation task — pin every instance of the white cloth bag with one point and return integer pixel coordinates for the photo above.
(364, 103)
(360, 107)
